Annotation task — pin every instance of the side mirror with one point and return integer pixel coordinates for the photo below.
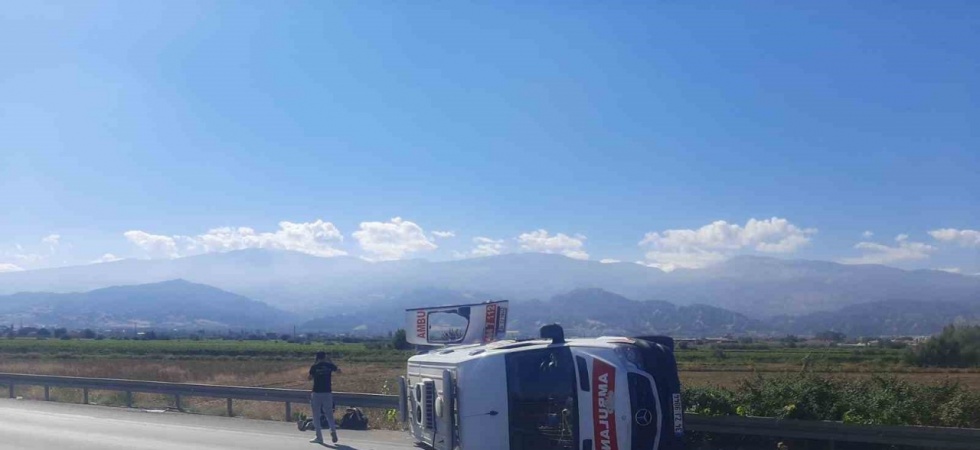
(554, 332)
(403, 399)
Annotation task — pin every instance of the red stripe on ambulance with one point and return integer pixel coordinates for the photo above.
(490, 325)
(603, 406)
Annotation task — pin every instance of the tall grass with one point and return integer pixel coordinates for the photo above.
(878, 400)
(357, 376)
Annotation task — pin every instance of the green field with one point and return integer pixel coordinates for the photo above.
(783, 355)
(693, 358)
(193, 349)
(817, 383)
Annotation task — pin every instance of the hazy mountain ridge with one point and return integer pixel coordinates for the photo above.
(175, 303)
(886, 318)
(583, 312)
(757, 287)
(595, 312)
(391, 316)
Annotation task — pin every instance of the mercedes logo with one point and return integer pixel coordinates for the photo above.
(643, 417)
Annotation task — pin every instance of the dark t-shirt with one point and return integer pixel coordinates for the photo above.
(321, 373)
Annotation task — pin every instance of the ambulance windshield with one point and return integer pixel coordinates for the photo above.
(543, 400)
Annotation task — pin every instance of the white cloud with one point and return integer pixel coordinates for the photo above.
(21, 259)
(484, 247)
(868, 234)
(392, 240)
(444, 234)
(9, 267)
(609, 261)
(905, 250)
(154, 244)
(717, 241)
(108, 257)
(686, 259)
(950, 269)
(28, 258)
(541, 241)
(666, 267)
(964, 238)
(51, 240)
(487, 247)
(314, 238)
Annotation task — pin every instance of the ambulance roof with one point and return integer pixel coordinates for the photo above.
(457, 354)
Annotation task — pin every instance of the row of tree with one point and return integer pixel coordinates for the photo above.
(60, 333)
(956, 346)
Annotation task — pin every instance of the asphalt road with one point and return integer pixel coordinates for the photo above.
(26, 425)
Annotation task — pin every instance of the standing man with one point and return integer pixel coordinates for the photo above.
(321, 400)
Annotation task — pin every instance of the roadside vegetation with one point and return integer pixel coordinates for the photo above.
(956, 346)
(867, 381)
(878, 400)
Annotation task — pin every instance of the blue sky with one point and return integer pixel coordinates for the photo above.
(587, 129)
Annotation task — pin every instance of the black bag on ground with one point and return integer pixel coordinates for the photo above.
(354, 419)
(307, 423)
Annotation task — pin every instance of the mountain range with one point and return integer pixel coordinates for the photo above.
(169, 304)
(582, 312)
(595, 312)
(758, 287)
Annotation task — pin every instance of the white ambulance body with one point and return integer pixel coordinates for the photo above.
(606, 393)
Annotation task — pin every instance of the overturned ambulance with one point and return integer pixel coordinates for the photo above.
(475, 390)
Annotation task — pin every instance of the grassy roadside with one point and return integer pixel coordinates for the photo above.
(711, 376)
(357, 376)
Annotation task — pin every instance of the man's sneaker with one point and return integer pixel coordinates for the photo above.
(333, 436)
(316, 441)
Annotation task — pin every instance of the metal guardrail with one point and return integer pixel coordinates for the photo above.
(930, 437)
(178, 390)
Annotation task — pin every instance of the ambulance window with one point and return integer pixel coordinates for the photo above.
(543, 399)
(448, 326)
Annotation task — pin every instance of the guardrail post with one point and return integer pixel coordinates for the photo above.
(85, 395)
(289, 412)
(129, 399)
(229, 408)
(177, 402)
(11, 388)
(47, 394)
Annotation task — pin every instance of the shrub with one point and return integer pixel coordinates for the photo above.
(878, 400)
(709, 401)
(954, 347)
(399, 341)
(804, 396)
